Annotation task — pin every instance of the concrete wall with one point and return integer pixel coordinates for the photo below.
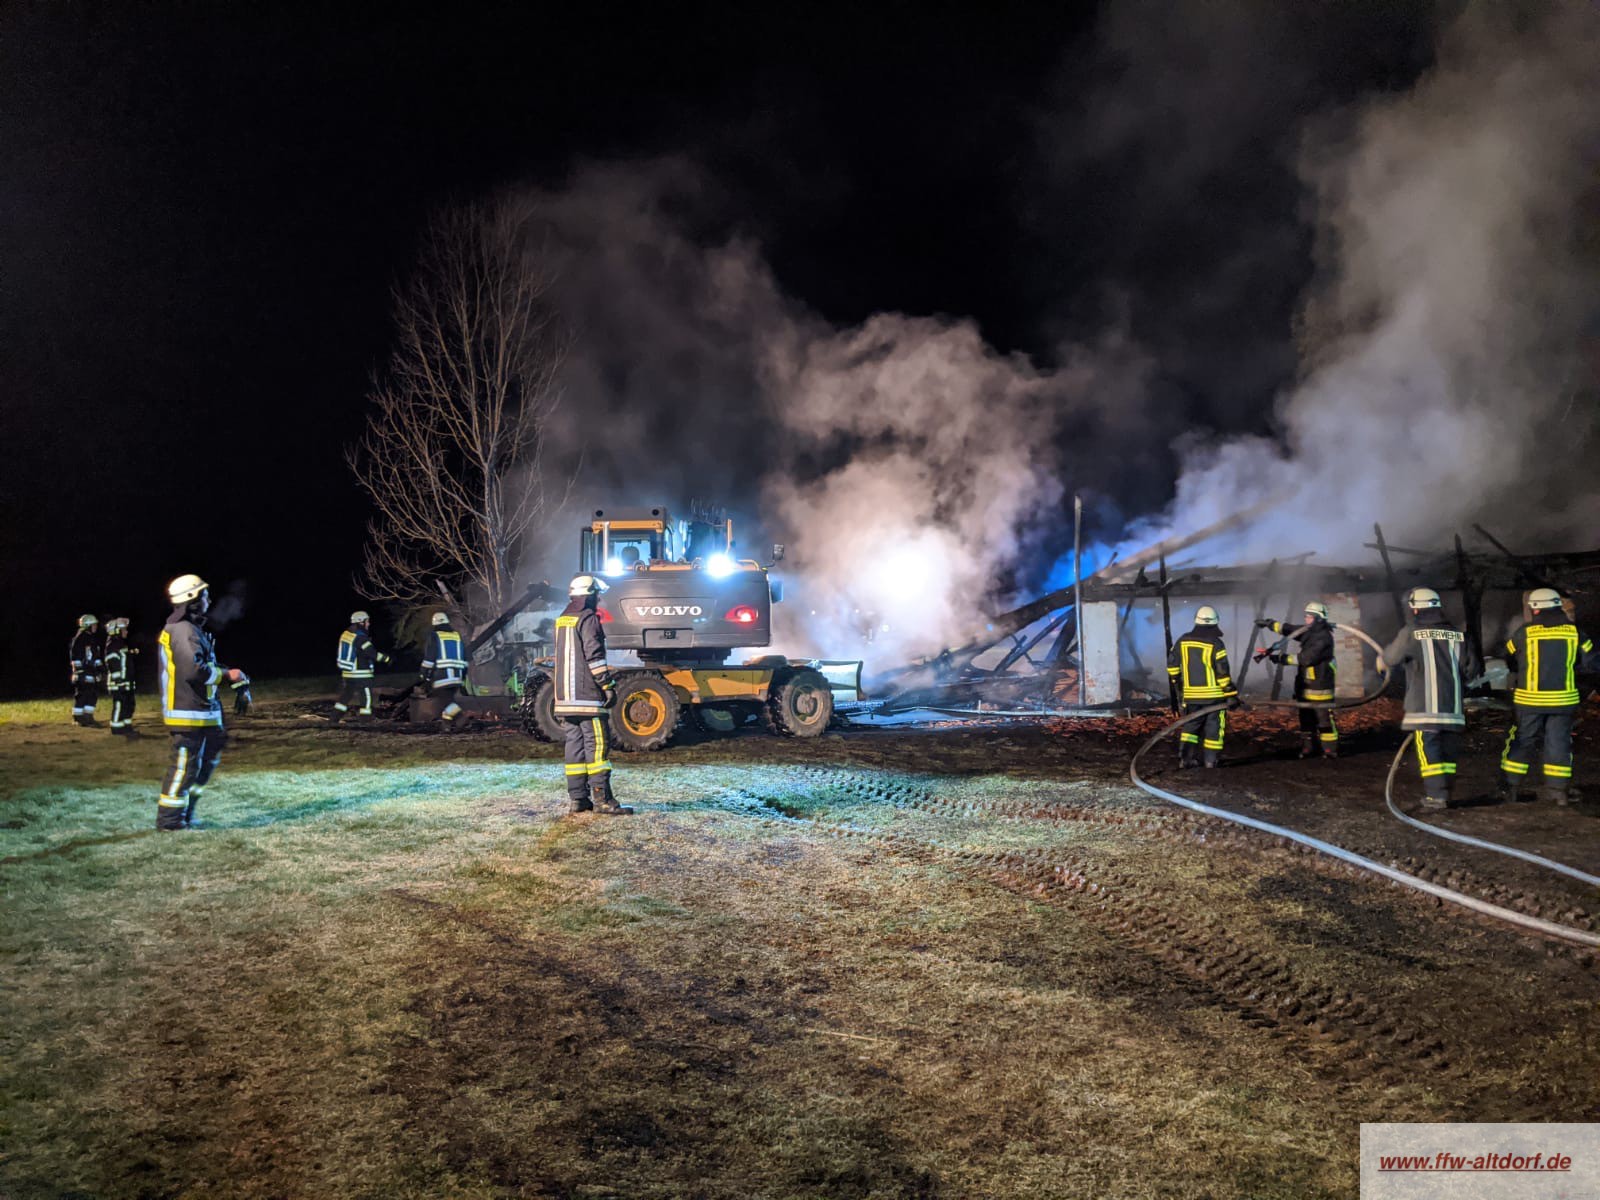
(1101, 654)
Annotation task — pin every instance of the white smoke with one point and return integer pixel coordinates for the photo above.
(904, 463)
(1442, 344)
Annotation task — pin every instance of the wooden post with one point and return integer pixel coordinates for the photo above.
(1166, 628)
(1469, 600)
(1255, 631)
(1077, 594)
(1388, 575)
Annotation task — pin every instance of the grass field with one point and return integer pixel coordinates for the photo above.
(390, 967)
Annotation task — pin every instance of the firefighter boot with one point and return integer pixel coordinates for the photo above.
(189, 821)
(1438, 799)
(1559, 796)
(1308, 745)
(1506, 791)
(1188, 755)
(1330, 750)
(604, 803)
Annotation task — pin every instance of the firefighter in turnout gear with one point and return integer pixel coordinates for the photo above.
(582, 694)
(444, 669)
(1545, 656)
(358, 658)
(1440, 663)
(1312, 660)
(1199, 665)
(88, 669)
(119, 677)
(190, 677)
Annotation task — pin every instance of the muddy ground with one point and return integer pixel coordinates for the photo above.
(954, 961)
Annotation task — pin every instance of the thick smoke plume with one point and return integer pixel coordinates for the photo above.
(1443, 343)
(921, 478)
(905, 464)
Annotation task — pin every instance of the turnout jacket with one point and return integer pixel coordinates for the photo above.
(446, 664)
(1313, 660)
(580, 661)
(1439, 664)
(86, 652)
(1545, 656)
(357, 655)
(189, 673)
(1199, 663)
(119, 671)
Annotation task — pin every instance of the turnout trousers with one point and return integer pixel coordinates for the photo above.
(1318, 721)
(195, 754)
(587, 765)
(1203, 735)
(1437, 752)
(446, 695)
(85, 695)
(1543, 733)
(356, 693)
(121, 707)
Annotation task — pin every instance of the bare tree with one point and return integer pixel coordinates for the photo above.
(452, 453)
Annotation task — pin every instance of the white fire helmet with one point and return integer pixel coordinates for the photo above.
(117, 625)
(360, 617)
(1421, 598)
(88, 621)
(587, 585)
(441, 618)
(1542, 598)
(1317, 609)
(185, 588)
(1206, 616)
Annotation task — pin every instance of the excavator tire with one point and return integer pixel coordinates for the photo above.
(645, 714)
(536, 710)
(799, 704)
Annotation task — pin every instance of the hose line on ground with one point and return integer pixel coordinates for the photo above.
(1466, 840)
(1548, 928)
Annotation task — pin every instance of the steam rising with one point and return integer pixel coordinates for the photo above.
(1443, 379)
(920, 477)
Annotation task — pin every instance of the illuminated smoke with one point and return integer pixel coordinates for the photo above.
(1443, 377)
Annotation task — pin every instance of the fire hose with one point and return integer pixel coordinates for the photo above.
(1548, 928)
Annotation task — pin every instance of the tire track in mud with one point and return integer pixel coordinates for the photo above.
(1354, 1031)
(1179, 826)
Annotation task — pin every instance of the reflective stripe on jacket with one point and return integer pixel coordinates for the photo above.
(580, 661)
(1439, 664)
(357, 655)
(1546, 655)
(1199, 662)
(119, 676)
(86, 651)
(446, 664)
(1313, 661)
(189, 674)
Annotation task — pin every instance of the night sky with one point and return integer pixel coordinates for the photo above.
(203, 209)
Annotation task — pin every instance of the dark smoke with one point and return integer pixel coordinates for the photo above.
(1419, 362)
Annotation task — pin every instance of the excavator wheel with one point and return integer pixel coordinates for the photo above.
(719, 720)
(645, 714)
(799, 704)
(537, 710)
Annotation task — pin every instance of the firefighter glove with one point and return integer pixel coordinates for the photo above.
(1235, 704)
(382, 657)
(1264, 622)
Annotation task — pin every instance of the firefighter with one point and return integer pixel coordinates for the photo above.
(1199, 665)
(1439, 665)
(88, 668)
(1313, 675)
(1545, 656)
(582, 694)
(119, 677)
(357, 659)
(190, 677)
(444, 670)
